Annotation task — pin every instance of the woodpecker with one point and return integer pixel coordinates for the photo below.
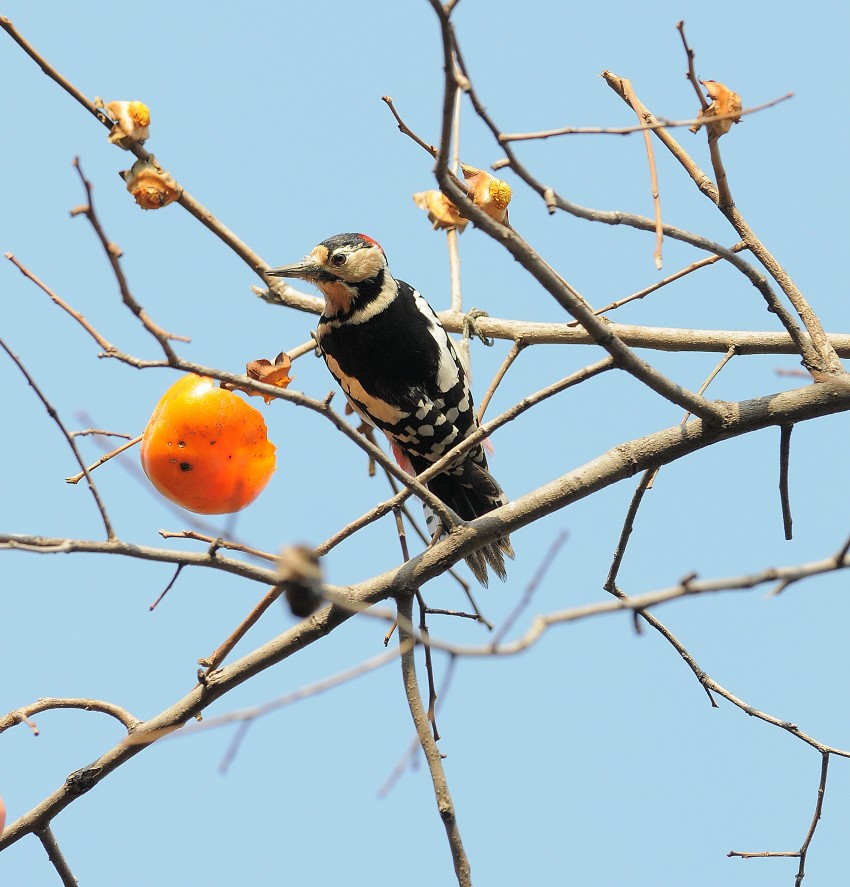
(394, 360)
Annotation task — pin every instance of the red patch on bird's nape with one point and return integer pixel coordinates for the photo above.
(372, 241)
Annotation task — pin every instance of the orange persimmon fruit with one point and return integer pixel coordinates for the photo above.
(206, 449)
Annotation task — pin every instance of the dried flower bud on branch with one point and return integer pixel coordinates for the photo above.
(491, 194)
(442, 213)
(151, 186)
(132, 122)
(724, 104)
(485, 190)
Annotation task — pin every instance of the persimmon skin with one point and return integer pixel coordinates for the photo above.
(205, 449)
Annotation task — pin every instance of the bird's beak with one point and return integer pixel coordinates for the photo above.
(304, 270)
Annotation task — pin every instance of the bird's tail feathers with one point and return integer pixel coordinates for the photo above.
(472, 492)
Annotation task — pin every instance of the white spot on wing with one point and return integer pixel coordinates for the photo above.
(447, 372)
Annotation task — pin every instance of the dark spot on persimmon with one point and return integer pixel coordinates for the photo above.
(185, 466)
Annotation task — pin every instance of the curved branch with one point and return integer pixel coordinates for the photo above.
(23, 715)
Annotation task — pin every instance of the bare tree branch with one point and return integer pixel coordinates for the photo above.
(824, 360)
(445, 805)
(54, 415)
(24, 715)
(54, 854)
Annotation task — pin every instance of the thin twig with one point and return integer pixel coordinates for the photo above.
(104, 344)
(725, 203)
(211, 663)
(784, 459)
(452, 233)
(163, 337)
(282, 292)
(426, 539)
(425, 635)
(220, 543)
(654, 622)
(539, 575)
(653, 175)
(817, 352)
(724, 194)
(409, 756)
(99, 432)
(644, 485)
(23, 715)
(54, 415)
(445, 805)
(678, 275)
(803, 851)
(510, 357)
(454, 270)
(167, 588)
(405, 130)
(564, 294)
(116, 546)
(692, 74)
(661, 123)
(105, 458)
(54, 854)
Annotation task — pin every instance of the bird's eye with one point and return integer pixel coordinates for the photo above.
(338, 259)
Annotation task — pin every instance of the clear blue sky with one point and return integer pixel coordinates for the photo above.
(595, 758)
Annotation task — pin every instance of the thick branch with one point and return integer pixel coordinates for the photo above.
(622, 461)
